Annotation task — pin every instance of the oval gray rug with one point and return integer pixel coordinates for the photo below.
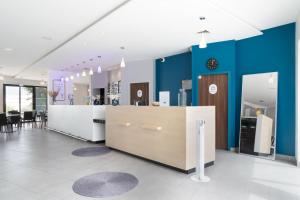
(105, 184)
(91, 151)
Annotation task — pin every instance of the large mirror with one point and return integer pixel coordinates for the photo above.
(258, 115)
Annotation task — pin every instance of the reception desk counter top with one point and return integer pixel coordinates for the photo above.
(163, 134)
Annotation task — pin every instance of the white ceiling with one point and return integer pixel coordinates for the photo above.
(147, 29)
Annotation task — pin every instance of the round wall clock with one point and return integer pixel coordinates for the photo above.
(212, 63)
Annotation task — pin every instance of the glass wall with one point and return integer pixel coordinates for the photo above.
(24, 98)
(40, 99)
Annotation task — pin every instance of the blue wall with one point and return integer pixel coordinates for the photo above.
(170, 73)
(224, 52)
(273, 51)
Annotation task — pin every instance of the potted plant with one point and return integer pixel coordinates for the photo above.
(53, 95)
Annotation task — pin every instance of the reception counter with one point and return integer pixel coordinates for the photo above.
(80, 121)
(166, 135)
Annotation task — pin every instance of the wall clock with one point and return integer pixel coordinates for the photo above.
(212, 63)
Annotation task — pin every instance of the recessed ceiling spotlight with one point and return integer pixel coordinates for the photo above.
(8, 49)
(202, 18)
(162, 60)
(78, 74)
(47, 38)
(71, 77)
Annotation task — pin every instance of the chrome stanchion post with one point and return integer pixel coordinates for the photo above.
(200, 162)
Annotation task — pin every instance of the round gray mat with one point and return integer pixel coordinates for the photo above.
(90, 151)
(105, 184)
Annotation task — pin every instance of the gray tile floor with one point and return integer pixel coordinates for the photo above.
(37, 165)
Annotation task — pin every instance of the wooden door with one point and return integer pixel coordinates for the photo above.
(139, 92)
(213, 91)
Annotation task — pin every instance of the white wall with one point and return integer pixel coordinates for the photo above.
(137, 72)
(298, 90)
(9, 80)
(80, 93)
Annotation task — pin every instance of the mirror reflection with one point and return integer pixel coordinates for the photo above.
(258, 115)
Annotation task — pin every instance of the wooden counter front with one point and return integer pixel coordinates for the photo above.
(163, 134)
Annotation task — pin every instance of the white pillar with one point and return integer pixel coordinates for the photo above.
(200, 161)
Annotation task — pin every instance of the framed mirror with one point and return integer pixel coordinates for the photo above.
(258, 115)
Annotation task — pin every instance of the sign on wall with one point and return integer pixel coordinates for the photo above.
(59, 86)
(213, 89)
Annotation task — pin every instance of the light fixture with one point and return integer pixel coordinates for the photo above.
(99, 70)
(83, 73)
(75, 88)
(61, 79)
(42, 82)
(78, 74)
(1, 78)
(202, 42)
(91, 72)
(67, 79)
(71, 77)
(122, 65)
(162, 60)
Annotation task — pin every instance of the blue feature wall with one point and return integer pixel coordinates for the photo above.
(224, 52)
(170, 73)
(270, 52)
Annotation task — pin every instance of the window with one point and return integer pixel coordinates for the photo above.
(24, 98)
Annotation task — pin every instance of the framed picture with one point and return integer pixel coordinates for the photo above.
(59, 86)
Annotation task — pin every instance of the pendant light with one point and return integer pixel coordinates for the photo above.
(67, 79)
(71, 77)
(83, 73)
(62, 79)
(122, 65)
(78, 74)
(99, 69)
(91, 72)
(202, 42)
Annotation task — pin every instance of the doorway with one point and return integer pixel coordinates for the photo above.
(213, 91)
(139, 94)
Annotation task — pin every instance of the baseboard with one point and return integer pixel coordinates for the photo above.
(67, 134)
(291, 159)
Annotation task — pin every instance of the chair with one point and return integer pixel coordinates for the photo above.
(44, 119)
(13, 112)
(14, 120)
(28, 117)
(3, 122)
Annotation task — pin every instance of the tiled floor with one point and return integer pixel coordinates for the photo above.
(38, 165)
